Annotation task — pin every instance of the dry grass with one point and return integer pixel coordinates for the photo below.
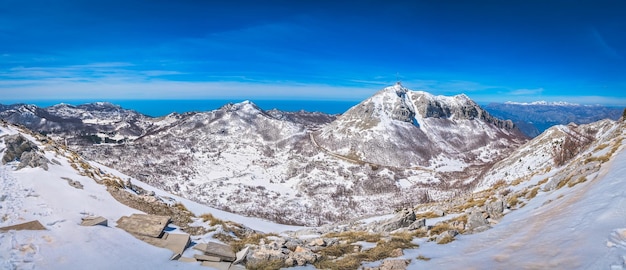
(517, 181)
(337, 250)
(211, 219)
(267, 265)
(563, 182)
(600, 147)
(533, 192)
(471, 203)
(513, 200)
(545, 180)
(445, 240)
(440, 228)
(578, 181)
(350, 260)
(426, 215)
(355, 236)
(422, 258)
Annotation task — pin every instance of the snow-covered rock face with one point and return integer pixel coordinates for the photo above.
(403, 128)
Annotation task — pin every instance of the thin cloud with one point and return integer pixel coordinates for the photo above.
(526, 92)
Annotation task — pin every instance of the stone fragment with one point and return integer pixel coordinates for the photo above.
(391, 265)
(34, 225)
(216, 265)
(403, 219)
(145, 225)
(224, 252)
(202, 257)
(420, 223)
(93, 221)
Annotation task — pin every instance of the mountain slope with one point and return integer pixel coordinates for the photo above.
(577, 226)
(403, 128)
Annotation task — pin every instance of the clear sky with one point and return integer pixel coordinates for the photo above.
(326, 50)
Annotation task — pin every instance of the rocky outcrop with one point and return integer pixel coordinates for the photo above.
(277, 250)
(404, 218)
(19, 148)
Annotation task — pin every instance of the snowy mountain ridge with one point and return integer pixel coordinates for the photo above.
(568, 216)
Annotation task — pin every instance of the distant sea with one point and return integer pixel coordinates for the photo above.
(158, 108)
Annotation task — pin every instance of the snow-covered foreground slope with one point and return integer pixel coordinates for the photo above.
(582, 227)
(45, 195)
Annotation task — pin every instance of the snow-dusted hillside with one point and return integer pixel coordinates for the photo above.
(570, 216)
(59, 196)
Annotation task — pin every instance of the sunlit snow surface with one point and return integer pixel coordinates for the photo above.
(35, 194)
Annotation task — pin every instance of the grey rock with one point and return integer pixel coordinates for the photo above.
(93, 221)
(391, 265)
(224, 252)
(476, 221)
(495, 209)
(262, 254)
(403, 219)
(420, 223)
(23, 150)
(33, 159)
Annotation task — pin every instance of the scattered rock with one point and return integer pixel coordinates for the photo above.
(93, 221)
(403, 219)
(202, 258)
(439, 212)
(420, 223)
(23, 150)
(495, 209)
(217, 265)
(145, 225)
(72, 183)
(224, 252)
(391, 265)
(317, 242)
(476, 222)
(241, 255)
(34, 225)
(396, 253)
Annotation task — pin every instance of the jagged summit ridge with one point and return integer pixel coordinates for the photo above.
(404, 128)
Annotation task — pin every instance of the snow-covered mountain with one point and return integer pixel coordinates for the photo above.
(99, 122)
(409, 147)
(565, 210)
(403, 128)
(535, 117)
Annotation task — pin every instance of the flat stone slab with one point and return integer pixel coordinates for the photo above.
(34, 225)
(200, 257)
(177, 243)
(93, 221)
(241, 255)
(224, 252)
(187, 259)
(145, 225)
(217, 265)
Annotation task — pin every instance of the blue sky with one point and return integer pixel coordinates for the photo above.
(490, 50)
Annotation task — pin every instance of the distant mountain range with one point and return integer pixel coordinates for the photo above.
(535, 117)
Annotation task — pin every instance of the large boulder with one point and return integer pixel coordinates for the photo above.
(401, 220)
(476, 221)
(495, 209)
(19, 148)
